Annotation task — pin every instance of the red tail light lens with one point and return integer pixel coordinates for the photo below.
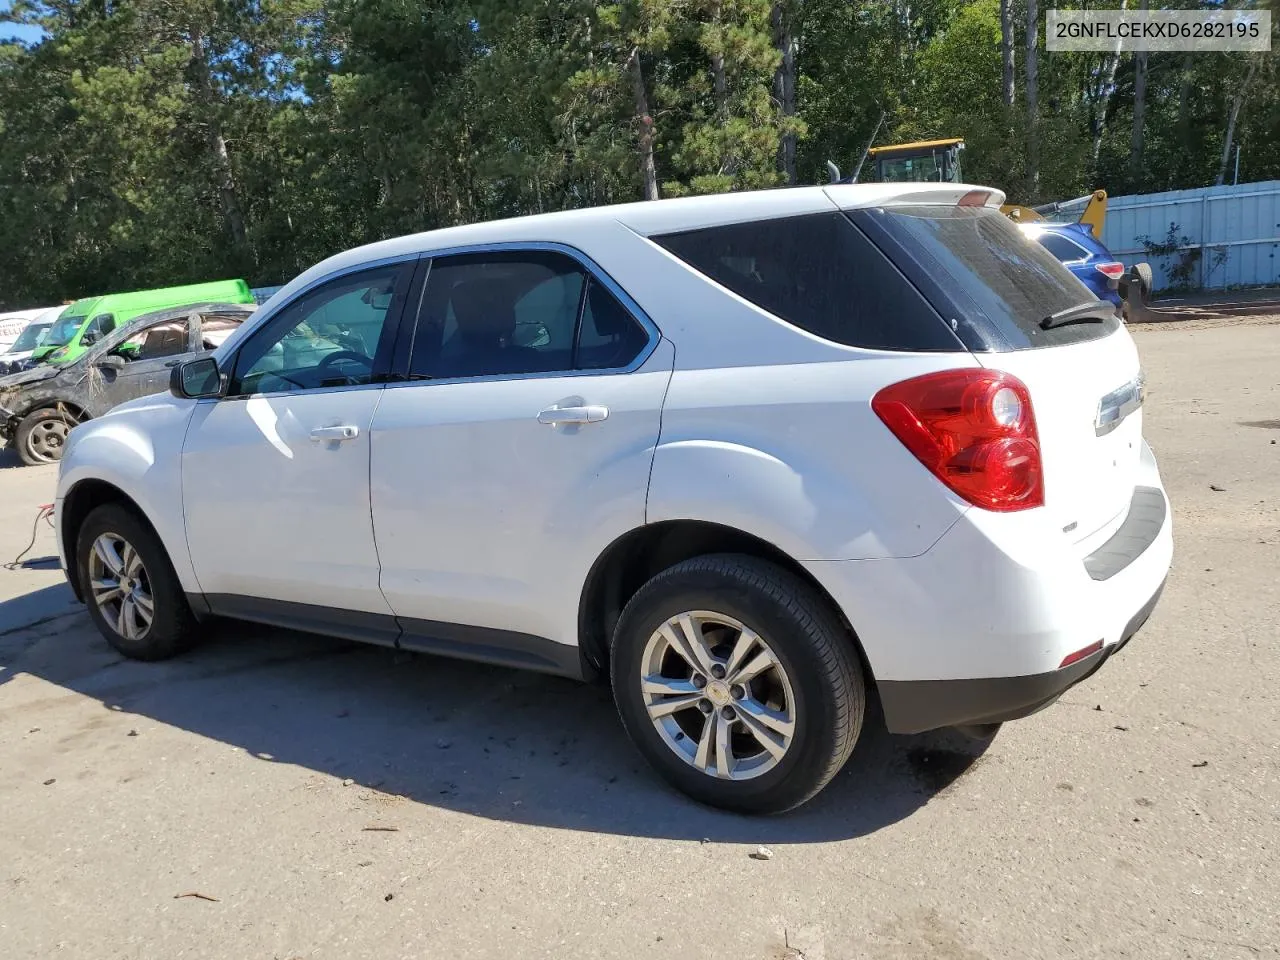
(975, 431)
(1080, 654)
(1112, 271)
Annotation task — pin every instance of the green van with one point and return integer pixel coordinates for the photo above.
(86, 321)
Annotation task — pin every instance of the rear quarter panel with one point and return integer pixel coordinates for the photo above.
(794, 455)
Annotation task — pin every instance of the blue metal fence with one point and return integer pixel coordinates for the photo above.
(1234, 229)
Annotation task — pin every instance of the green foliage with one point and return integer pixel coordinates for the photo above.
(149, 142)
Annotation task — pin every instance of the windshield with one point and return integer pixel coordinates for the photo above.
(30, 337)
(1004, 280)
(912, 170)
(64, 328)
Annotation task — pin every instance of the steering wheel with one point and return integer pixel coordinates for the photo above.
(341, 356)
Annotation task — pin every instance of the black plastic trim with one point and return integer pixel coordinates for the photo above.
(1147, 512)
(506, 648)
(913, 706)
(379, 628)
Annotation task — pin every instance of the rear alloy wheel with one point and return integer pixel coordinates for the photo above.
(738, 684)
(717, 695)
(134, 597)
(41, 437)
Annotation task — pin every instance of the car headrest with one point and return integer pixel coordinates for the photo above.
(484, 308)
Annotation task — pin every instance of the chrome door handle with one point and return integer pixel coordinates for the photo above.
(560, 415)
(339, 433)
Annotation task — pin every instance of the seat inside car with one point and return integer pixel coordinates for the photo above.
(484, 311)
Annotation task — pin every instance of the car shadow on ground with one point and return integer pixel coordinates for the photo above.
(488, 741)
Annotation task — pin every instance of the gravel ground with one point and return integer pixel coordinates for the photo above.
(273, 795)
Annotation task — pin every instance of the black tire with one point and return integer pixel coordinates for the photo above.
(41, 436)
(173, 627)
(1146, 280)
(815, 650)
(1135, 309)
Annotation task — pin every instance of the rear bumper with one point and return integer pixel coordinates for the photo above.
(912, 706)
(975, 630)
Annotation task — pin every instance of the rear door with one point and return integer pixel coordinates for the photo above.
(1000, 290)
(519, 448)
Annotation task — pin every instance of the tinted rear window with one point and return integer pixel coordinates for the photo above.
(820, 273)
(1000, 282)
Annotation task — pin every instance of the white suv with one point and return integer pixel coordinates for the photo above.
(749, 456)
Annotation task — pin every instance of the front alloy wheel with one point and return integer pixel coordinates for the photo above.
(121, 587)
(717, 695)
(134, 596)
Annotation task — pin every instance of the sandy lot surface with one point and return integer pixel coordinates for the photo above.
(336, 801)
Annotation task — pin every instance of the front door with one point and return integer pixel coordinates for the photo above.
(149, 355)
(518, 450)
(275, 475)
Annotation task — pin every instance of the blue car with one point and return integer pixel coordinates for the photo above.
(1084, 255)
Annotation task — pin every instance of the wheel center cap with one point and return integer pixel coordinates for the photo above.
(718, 693)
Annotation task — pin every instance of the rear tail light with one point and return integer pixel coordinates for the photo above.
(1112, 271)
(975, 431)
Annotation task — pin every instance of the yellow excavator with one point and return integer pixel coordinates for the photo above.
(938, 161)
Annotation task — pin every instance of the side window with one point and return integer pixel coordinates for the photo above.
(162, 340)
(1061, 247)
(610, 337)
(215, 328)
(817, 272)
(328, 337)
(96, 329)
(518, 312)
(497, 313)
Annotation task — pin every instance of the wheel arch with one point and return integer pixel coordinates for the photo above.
(636, 556)
(78, 502)
(53, 403)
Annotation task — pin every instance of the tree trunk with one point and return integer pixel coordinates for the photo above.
(1236, 103)
(1105, 90)
(224, 177)
(648, 169)
(1006, 51)
(784, 86)
(718, 78)
(1139, 112)
(1033, 106)
(1184, 103)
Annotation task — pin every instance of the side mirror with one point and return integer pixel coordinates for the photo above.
(90, 338)
(197, 379)
(109, 362)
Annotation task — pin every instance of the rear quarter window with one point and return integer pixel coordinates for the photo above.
(982, 270)
(1062, 248)
(820, 273)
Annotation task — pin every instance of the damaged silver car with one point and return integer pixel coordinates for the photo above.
(39, 407)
